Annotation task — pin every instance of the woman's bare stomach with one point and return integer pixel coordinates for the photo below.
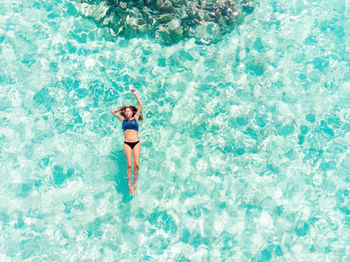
(131, 135)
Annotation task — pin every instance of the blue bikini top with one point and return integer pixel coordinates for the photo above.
(130, 125)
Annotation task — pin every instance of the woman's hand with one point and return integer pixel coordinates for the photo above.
(137, 97)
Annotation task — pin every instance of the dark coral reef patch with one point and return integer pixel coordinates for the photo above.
(168, 21)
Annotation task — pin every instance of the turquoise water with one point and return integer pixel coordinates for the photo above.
(245, 143)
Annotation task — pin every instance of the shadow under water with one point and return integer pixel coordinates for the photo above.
(120, 177)
(168, 21)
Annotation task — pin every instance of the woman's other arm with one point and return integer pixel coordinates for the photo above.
(114, 112)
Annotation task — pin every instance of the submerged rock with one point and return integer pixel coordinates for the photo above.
(169, 21)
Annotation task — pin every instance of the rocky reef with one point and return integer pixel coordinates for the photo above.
(169, 21)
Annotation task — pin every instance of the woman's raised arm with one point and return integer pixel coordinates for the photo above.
(140, 104)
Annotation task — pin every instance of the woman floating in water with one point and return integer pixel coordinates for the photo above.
(130, 116)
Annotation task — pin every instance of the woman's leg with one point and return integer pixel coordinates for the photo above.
(128, 155)
(136, 152)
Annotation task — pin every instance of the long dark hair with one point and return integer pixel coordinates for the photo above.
(133, 109)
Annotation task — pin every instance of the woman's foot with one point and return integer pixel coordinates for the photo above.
(134, 183)
(131, 189)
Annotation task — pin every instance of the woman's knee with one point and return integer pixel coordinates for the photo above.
(129, 165)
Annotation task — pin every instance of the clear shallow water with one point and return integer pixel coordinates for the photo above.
(245, 143)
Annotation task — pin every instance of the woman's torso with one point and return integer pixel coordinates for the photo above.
(130, 134)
